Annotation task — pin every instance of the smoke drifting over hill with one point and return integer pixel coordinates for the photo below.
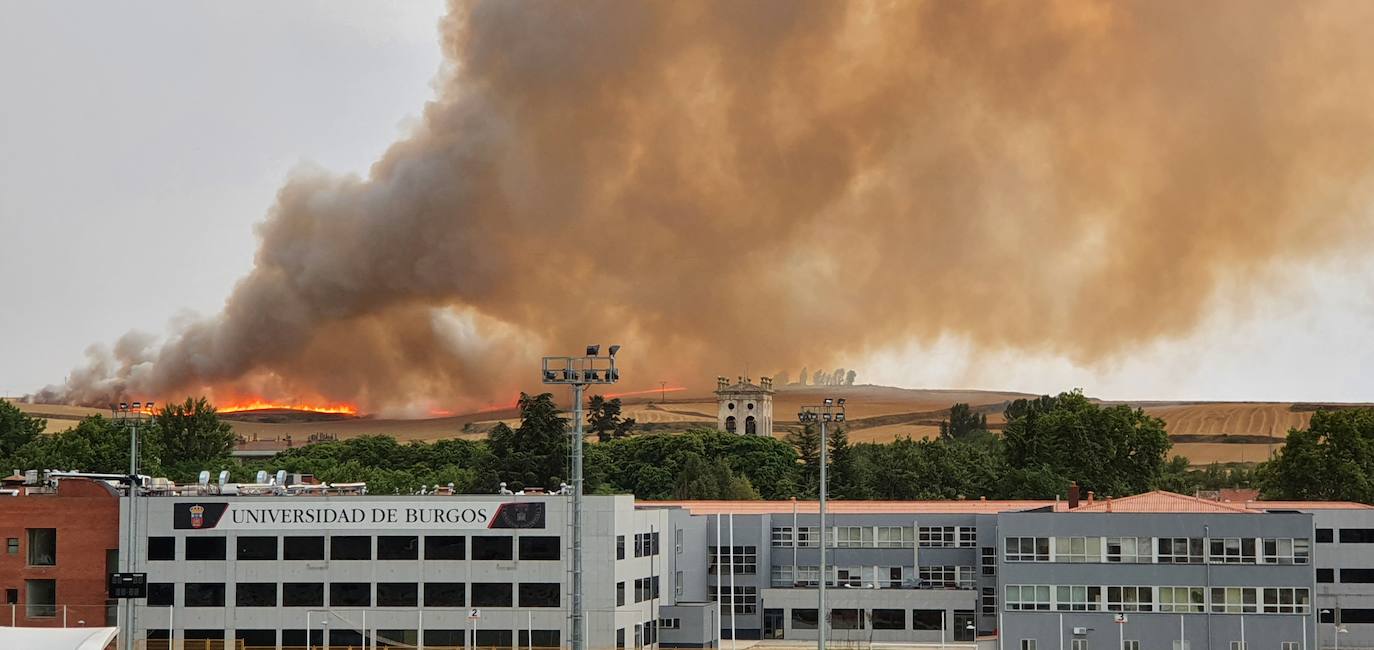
(776, 182)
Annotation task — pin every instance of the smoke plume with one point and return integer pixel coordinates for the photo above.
(770, 182)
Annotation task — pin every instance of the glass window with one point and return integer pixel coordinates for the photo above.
(936, 536)
(1128, 549)
(297, 638)
(1028, 597)
(302, 548)
(1234, 600)
(619, 547)
(445, 547)
(203, 594)
(445, 594)
(398, 547)
(1181, 599)
(548, 639)
(781, 537)
(41, 598)
(889, 619)
(205, 548)
(1326, 575)
(1078, 598)
(257, 638)
(1324, 536)
(746, 598)
(43, 546)
(492, 594)
(159, 548)
(1286, 600)
(350, 594)
(350, 547)
(1130, 599)
(446, 638)
(1078, 549)
(1180, 550)
(398, 594)
(1284, 550)
(161, 594)
(257, 548)
(302, 594)
(12, 545)
(804, 619)
(537, 547)
(1028, 549)
(540, 594)
(846, 619)
(927, 619)
(1232, 550)
(491, 547)
(255, 594)
(896, 537)
(1029, 644)
(494, 639)
(620, 594)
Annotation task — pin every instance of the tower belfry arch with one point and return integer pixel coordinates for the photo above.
(744, 407)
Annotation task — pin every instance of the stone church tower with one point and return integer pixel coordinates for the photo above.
(744, 407)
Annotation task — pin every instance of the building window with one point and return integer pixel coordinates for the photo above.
(746, 559)
(620, 594)
(1180, 645)
(846, 619)
(40, 598)
(494, 638)
(1028, 549)
(544, 639)
(1237, 645)
(398, 547)
(1028, 597)
(1353, 576)
(947, 577)
(989, 560)
(1180, 550)
(444, 638)
(42, 546)
(988, 600)
(492, 547)
(1077, 598)
(350, 547)
(677, 584)
(1078, 644)
(1130, 599)
(492, 594)
(620, 638)
(1129, 644)
(1324, 536)
(162, 548)
(1232, 550)
(1355, 616)
(398, 594)
(853, 536)
(804, 619)
(1128, 549)
(1288, 645)
(302, 594)
(445, 594)
(445, 547)
(255, 594)
(205, 548)
(1284, 550)
(1234, 600)
(1182, 599)
(781, 537)
(303, 548)
(1078, 549)
(670, 623)
(896, 537)
(12, 545)
(1029, 644)
(889, 619)
(350, 594)
(257, 638)
(1326, 575)
(927, 619)
(746, 598)
(1286, 600)
(255, 548)
(540, 594)
(677, 540)
(654, 537)
(540, 548)
(619, 547)
(936, 536)
(203, 594)
(161, 594)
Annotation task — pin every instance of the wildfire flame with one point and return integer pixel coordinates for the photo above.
(261, 405)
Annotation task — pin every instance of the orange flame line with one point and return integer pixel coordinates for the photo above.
(259, 405)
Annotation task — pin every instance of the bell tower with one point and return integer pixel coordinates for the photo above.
(744, 407)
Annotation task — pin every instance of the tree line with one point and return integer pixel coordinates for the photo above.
(1045, 444)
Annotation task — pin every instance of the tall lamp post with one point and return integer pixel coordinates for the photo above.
(1337, 629)
(578, 372)
(830, 410)
(131, 416)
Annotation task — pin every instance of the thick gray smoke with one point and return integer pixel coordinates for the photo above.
(766, 182)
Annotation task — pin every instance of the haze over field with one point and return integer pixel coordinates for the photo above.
(780, 184)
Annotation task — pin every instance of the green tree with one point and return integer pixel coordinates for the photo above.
(603, 418)
(807, 443)
(1332, 459)
(535, 453)
(840, 472)
(17, 429)
(95, 444)
(713, 480)
(962, 422)
(1112, 450)
(192, 437)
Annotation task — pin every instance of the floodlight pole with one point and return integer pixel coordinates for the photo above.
(828, 411)
(578, 372)
(131, 418)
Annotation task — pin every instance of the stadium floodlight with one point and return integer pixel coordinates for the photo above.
(123, 406)
(133, 419)
(578, 372)
(827, 411)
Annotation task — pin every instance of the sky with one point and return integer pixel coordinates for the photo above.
(141, 142)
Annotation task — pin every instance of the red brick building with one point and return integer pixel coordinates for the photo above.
(59, 547)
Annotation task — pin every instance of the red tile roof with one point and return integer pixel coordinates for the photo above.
(1307, 505)
(1160, 501)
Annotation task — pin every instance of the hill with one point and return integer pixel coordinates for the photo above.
(1205, 432)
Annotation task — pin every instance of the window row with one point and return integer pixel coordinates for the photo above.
(1093, 598)
(359, 547)
(746, 599)
(1347, 535)
(1159, 550)
(1347, 576)
(433, 637)
(645, 544)
(359, 594)
(882, 577)
(876, 537)
(877, 619)
(743, 560)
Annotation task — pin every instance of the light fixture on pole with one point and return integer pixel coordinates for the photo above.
(131, 416)
(578, 372)
(828, 411)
